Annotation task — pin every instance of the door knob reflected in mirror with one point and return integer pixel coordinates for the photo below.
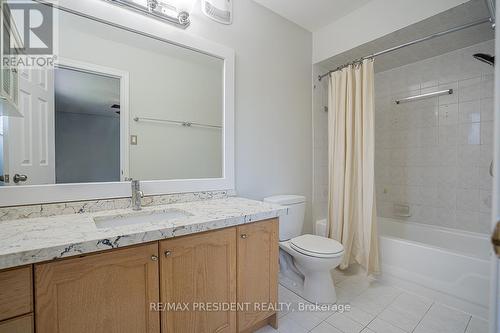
(495, 239)
(20, 178)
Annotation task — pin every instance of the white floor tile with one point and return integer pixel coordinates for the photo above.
(376, 298)
(324, 314)
(325, 328)
(344, 323)
(355, 285)
(477, 325)
(406, 311)
(285, 295)
(267, 329)
(397, 311)
(307, 320)
(360, 316)
(380, 326)
(287, 325)
(443, 319)
(345, 296)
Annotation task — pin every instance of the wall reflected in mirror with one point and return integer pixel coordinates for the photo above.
(118, 106)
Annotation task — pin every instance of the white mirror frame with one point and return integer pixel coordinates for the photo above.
(105, 12)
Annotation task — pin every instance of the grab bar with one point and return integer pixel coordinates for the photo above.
(176, 122)
(422, 96)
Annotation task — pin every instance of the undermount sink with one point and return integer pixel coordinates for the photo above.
(140, 217)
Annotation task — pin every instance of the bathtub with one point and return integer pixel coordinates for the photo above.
(450, 262)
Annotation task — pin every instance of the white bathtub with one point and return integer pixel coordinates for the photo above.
(450, 262)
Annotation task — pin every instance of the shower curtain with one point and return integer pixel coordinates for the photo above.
(351, 152)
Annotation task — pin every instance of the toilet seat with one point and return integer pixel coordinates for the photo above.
(317, 246)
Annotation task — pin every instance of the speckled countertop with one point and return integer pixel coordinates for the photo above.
(33, 240)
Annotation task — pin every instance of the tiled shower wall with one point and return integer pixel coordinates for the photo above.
(320, 141)
(433, 156)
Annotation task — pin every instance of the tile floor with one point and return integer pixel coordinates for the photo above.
(375, 308)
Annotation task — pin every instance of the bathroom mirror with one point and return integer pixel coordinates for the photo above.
(121, 103)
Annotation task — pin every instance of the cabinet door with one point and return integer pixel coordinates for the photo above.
(197, 270)
(22, 324)
(107, 292)
(16, 292)
(258, 247)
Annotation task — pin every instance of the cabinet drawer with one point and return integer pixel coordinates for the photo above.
(18, 325)
(16, 292)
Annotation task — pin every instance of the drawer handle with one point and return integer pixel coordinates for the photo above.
(244, 236)
(168, 253)
(154, 258)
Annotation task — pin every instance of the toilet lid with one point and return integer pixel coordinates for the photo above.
(316, 246)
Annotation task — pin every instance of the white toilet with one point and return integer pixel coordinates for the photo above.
(305, 261)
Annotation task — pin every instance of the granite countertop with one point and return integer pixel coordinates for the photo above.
(28, 241)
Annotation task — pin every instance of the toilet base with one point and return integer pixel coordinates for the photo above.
(317, 287)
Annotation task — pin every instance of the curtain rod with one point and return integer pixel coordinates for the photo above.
(416, 41)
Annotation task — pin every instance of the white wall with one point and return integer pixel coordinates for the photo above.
(273, 99)
(376, 19)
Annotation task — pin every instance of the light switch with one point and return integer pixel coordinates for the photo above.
(133, 140)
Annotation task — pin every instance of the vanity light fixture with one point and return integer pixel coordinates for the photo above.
(175, 12)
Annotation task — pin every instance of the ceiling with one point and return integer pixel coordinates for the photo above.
(468, 12)
(312, 14)
(87, 93)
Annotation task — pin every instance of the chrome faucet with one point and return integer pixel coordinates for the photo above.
(137, 195)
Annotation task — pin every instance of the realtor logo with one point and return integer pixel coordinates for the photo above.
(29, 28)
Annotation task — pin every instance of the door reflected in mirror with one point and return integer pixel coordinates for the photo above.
(118, 105)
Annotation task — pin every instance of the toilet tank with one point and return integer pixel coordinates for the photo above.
(291, 224)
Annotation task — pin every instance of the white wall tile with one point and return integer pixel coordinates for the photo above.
(469, 89)
(434, 154)
(468, 199)
(486, 106)
(448, 115)
(469, 134)
(470, 112)
(487, 133)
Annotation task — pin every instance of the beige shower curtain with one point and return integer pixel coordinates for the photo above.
(351, 145)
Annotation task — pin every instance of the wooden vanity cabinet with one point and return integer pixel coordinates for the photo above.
(16, 292)
(129, 290)
(100, 293)
(258, 266)
(199, 270)
(16, 300)
(23, 324)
